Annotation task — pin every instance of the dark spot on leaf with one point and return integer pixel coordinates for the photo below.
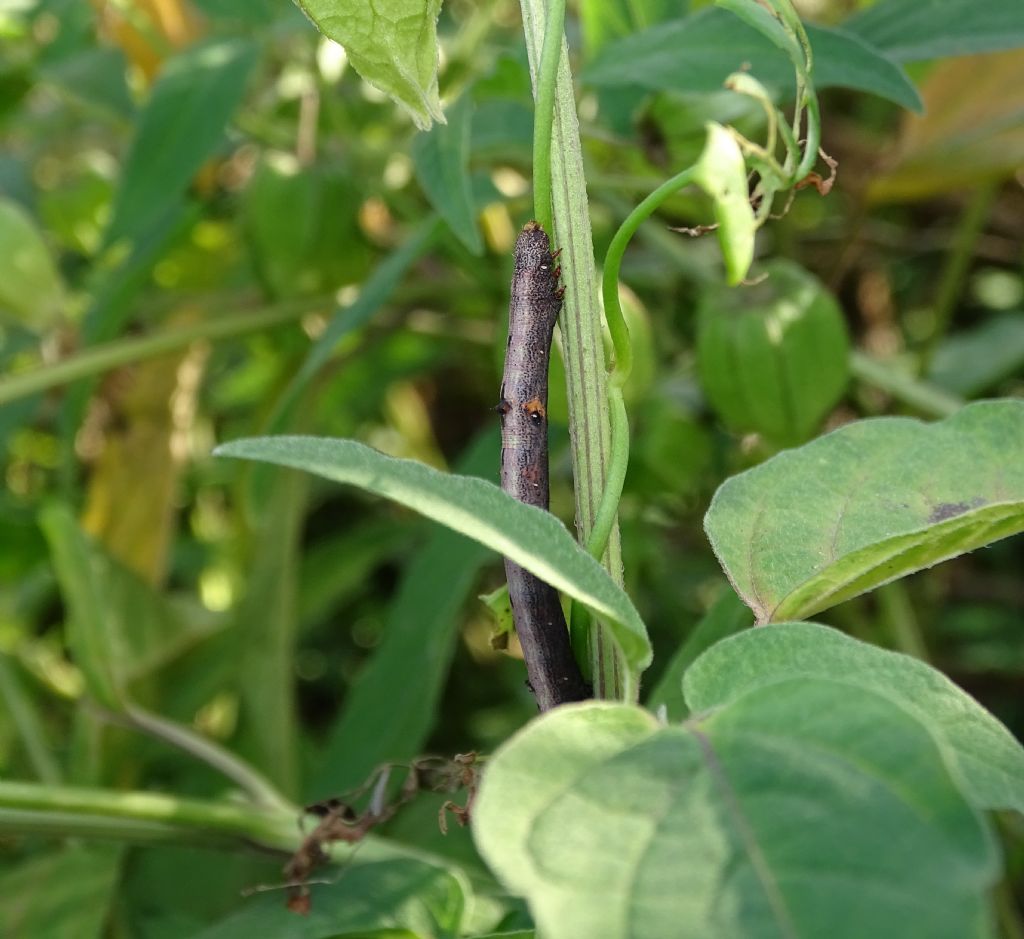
(947, 510)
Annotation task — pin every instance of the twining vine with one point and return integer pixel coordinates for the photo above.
(725, 171)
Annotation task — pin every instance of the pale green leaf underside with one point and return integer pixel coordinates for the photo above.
(390, 43)
(866, 504)
(806, 809)
(534, 539)
(989, 759)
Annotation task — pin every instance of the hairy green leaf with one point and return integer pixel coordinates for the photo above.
(534, 539)
(807, 808)
(866, 504)
(391, 43)
(990, 760)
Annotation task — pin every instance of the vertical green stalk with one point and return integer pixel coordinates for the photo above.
(579, 325)
(951, 281)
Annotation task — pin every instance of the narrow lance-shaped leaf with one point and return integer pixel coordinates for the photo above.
(180, 127)
(441, 161)
(92, 644)
(532, 538)
(866, 504)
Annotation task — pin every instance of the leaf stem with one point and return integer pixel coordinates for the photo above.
(110, 355)
(146, 817)
(580, 331)
(926, 398)
(544, 113)
(257, 786)
(951, 281)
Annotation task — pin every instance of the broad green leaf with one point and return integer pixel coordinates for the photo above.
(31, 290)
(727, 615)
(866, 504)
(441, 161)
(808, 808)
(758, 17)
(913, 30)
(392, 705)
(534, 539)
(971, 362)
(63, 894)
(989, 759)
(698, 53)
(391, 43)
(722, 174)
(392, 898)
(180, 127)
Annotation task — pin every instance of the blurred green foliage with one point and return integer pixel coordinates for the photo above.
(188, 164)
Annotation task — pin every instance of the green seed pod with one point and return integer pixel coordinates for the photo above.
(773, 357)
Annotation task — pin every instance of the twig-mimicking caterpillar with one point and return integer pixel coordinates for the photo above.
(536, 301)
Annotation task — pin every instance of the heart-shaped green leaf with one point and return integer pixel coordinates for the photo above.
(534, 539)
(810, 808)
(866, 504)
(989, 759)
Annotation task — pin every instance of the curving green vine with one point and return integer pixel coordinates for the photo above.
(722, 171)
(735, 220)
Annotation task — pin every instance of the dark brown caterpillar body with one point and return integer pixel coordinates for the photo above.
(536, 301)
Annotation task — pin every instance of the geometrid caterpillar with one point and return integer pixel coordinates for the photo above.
(536, 300)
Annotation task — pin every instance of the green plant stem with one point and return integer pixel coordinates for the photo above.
(622, 363)
(923, 397)
(580, 331)
(544, 112)
(257, 786)
(901, 619)
(951, 282)
(146, 817)
(102, 358)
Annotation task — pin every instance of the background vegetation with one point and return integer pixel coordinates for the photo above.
(211, 227)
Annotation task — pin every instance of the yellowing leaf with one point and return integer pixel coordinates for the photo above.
(972, 130)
